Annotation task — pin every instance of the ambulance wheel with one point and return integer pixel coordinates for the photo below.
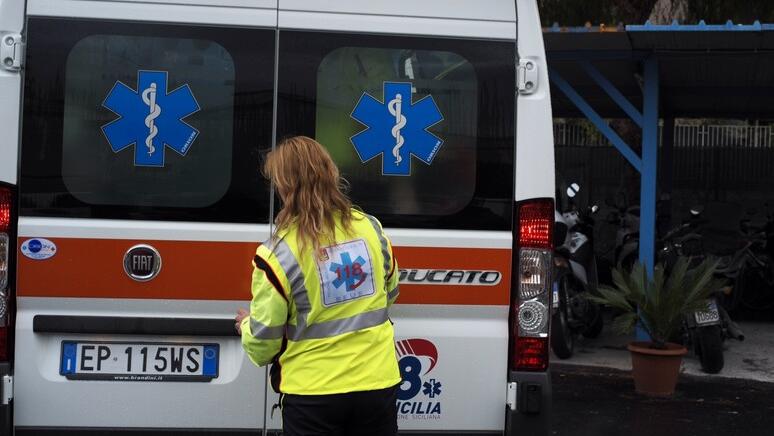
(562, 341)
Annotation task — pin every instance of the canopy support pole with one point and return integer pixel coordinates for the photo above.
(647, 164)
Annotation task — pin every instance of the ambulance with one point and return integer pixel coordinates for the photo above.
(131, 202)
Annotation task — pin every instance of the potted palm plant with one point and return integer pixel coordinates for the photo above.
(659, 305)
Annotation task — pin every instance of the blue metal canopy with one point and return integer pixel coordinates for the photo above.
(696, 70)
(706, 70)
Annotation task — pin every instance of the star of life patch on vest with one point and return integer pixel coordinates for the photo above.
(345, 272)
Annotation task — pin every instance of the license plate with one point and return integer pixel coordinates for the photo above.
(708, 316)
(122, 361)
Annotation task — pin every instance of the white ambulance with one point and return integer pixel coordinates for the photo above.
(131, 133)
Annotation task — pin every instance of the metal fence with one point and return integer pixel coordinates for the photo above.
(728, 168)
(723, 136)
(686, 135)
(712, 158)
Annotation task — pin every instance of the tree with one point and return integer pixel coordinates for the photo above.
(578, 12)
(664, 11)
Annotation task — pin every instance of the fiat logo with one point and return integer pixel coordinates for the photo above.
(142, 263)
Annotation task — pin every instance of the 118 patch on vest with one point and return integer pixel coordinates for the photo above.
(345, 272)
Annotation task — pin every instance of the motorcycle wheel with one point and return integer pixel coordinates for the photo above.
(562, 341)
(755, 292)
(733, 302)
(593, 330)
(709, 344)
(627, 263)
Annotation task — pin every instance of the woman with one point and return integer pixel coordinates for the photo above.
(322, 286)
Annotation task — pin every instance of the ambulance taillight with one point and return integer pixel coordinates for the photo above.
(6, 252)
(531, 285)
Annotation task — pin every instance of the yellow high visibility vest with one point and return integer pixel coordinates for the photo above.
(323, 317)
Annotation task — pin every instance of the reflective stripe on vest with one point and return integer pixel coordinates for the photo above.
(299, 293)
(289, 264)
(335, 327)
(260, 330)
(394, 293)
(383, 242)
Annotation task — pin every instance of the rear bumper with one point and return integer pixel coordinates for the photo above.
(45, 431)
(102, 431)
(532, 416)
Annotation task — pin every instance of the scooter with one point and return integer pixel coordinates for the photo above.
(627, 238)
(627, 241)
(575, 273)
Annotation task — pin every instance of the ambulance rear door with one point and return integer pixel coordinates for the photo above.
(415, 102)
(11, 61)
(140, 208)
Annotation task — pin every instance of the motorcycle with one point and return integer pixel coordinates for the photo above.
(575, 274)
(705, 330)
(751, 267)
(627, 241)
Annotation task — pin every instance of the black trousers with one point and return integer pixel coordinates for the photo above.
(371, 413)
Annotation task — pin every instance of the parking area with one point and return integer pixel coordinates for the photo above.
(688, 175)
(593, 400)
(751, 359)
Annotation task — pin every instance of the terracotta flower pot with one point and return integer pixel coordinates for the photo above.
(655, 371)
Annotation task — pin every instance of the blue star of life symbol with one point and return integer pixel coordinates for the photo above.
(432, 388)
(349, 272)
(150, 118)
(396, 129)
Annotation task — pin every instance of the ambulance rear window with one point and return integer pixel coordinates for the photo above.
(194, 177)
(146, 121)
(422, 128)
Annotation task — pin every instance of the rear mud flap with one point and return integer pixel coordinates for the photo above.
(532, 414)
(5, 409)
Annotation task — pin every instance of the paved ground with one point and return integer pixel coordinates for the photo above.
(594, 393)
(752, 359)
(601, 401)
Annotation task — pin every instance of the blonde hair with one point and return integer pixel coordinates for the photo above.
(311, 190)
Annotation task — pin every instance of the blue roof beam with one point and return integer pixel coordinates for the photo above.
(594, 117)
(675, 26)
(612, 91)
